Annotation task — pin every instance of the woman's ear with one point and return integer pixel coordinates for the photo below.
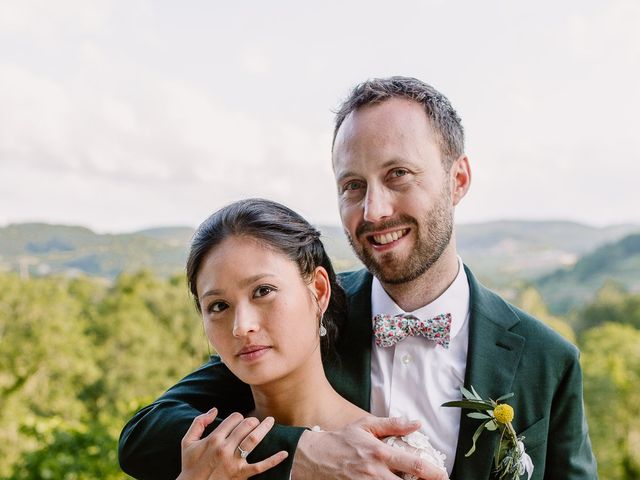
(321, 288)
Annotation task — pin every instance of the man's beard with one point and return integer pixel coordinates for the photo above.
(432, 235)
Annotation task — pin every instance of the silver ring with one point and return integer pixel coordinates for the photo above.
(243, 453)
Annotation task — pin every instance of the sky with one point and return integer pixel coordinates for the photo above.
(123, 115)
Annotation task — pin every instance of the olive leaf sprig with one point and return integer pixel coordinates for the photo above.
(510, 459)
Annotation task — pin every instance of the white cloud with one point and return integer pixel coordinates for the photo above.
(255, 61)
(609, 32)
(43, 18)
(88, 146)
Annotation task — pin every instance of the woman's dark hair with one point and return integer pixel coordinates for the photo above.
(277, 227)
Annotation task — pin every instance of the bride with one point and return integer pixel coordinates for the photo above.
(271, 307)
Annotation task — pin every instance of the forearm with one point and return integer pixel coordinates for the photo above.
(149, 446)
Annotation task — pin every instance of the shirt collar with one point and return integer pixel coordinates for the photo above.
(454, 300)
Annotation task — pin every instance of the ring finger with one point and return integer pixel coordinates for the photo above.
(249, 435)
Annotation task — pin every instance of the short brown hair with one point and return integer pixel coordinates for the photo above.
(443, 117)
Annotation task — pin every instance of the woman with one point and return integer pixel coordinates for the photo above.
(271, 306)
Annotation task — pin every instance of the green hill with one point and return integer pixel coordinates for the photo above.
(500, 253)
(40, 249)
(506, 251)
(569, 287)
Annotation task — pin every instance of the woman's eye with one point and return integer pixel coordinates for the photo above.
(217, 307)
(263, 291)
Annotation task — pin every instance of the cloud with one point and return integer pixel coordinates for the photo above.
(97, 141)
(42, 18)
(255, 61)
(608, 33)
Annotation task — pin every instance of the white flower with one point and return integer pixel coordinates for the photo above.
(526, 464)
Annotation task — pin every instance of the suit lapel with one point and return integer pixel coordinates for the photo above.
(492, 360)
(350, 371)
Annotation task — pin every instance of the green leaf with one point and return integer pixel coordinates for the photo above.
(467, 394)
(475, 393)
(502, 448)
(504, 397)
(492, 426)
(478, 415)
(475, 437)
(470, 404)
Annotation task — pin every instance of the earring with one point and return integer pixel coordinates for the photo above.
(323, 330)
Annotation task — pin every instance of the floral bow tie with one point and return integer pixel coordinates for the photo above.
(390, 329)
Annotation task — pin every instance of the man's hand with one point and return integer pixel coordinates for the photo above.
(356, 451)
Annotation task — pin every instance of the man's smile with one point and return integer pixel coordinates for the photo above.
(386, 238)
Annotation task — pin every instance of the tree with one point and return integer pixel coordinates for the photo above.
(611, 363)
(77, 358)
(74, 451)
(612, 304)
(44, 354)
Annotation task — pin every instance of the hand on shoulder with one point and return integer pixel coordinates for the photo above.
(222, 455)
(357, 451)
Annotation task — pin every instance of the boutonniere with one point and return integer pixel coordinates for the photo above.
(510, 459)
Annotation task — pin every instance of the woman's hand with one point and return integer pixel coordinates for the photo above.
(220, 455)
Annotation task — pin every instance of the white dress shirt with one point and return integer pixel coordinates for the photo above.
(415, 377)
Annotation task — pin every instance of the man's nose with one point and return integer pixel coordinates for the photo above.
(377, 205)
(246, 321)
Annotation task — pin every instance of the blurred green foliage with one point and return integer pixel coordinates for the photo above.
(79, 356)
(611, 361)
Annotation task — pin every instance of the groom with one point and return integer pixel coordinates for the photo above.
(400, 168)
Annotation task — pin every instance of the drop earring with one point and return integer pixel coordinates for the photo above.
(323, 330)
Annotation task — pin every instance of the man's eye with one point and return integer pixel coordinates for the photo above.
(352, 185)
(263, 291)
(399, 172)
(217, 307)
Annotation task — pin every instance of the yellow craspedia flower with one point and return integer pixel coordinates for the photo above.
(503, 413)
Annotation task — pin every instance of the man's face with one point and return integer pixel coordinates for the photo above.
(393, 191)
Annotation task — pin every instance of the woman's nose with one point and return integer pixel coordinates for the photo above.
(246, 321)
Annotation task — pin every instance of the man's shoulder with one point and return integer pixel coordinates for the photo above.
(540, 337)
(354, 281)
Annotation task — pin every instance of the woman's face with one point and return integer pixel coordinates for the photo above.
(258, 312)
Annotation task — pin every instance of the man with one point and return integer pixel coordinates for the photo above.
(400, 168)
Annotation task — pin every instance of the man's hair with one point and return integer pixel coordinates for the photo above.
(442, 116)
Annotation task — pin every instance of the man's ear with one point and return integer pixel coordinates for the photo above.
(460, 177)
(321, 288)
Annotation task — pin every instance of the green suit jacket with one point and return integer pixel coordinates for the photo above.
(509, 351)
